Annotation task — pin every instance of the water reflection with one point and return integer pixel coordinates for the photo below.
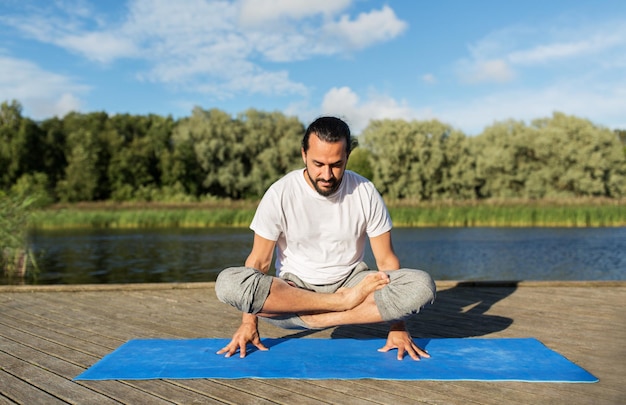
(137, 256)
(184, 255)
(515, 253)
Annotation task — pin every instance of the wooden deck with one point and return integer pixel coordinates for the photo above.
(48, 335)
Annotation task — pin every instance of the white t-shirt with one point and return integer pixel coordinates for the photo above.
(320, 239)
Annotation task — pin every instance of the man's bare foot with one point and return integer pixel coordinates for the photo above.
(352, 299)
(353, 296)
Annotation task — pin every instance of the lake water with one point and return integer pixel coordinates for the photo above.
(184, 255)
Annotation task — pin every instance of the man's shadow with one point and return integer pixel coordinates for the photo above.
(460, 311)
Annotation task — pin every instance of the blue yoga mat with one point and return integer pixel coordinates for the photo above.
(451, 360)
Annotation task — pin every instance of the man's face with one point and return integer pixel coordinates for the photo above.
(325, 164)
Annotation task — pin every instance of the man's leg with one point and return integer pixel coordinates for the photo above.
(254, 292)
(406, 294)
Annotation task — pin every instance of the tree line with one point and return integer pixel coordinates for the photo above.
(214, 155)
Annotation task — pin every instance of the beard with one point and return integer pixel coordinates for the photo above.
(330, 186)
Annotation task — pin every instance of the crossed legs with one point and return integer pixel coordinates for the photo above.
(367, 296)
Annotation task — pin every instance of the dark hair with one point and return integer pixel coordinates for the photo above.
(328, 129)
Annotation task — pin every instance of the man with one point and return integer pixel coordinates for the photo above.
(317, 219)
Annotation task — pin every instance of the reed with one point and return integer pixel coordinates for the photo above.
(145, 218)
(16, 258)
(511, 214)
(583, 213)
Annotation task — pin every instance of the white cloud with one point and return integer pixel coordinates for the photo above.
(75, 8)
(57, 106)
(66, 29)
(546, 53)
(216, 47)
(603, 106)
(285, 41)
(344, 102)
(429, 78)
(259, 12)
(367, 28)
(582, 42)
(495, 70)
(507, 54)
(269, 83)
(42, 93)
(102, 47)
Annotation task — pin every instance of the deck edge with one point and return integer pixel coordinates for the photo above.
(209, 285)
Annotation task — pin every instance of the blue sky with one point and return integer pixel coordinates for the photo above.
(465, 63)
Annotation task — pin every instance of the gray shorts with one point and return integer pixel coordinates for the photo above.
(406, 294)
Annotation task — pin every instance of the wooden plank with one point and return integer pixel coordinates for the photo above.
(219, 390)
(59, 350)
(26, 319)
(6, 401)
(386, 393)
(310, 390)
(50, 351)
(277, 394)
(172, 391)
(18, 391)
(58, 333)
(104, 287)
(50, 382)
(62, 344)
(60, 370)
(127, 314)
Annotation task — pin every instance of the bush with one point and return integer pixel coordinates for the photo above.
(35, 187)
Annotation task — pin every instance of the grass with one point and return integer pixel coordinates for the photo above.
(145, 217)
(498, 213)
(510, 216)
(16, 259)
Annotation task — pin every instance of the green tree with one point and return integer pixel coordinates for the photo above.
(181, 170)
(583, 159)
(498, 150)
(10, 117)
(561, 156)
(21, 145)
(82, 176)
(54, 158)
(33, 186)
(237, 157)
(271, 147)
(139, 144)
(415, 159)
(359, 162)
(621, 135)
(89, 145)
(213, 137)
(459, 180)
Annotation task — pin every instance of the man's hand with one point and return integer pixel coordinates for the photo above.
(247, 332)
(400, 339)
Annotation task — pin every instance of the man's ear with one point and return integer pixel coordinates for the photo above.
(303, 156)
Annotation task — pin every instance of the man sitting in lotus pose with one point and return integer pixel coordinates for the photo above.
(317, 219)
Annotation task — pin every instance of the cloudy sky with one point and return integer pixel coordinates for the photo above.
(466, 63)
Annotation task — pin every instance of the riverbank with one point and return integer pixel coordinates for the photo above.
(501, 213)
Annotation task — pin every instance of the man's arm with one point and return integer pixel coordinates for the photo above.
(382, 248)
(398, 338)
(260, 258)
